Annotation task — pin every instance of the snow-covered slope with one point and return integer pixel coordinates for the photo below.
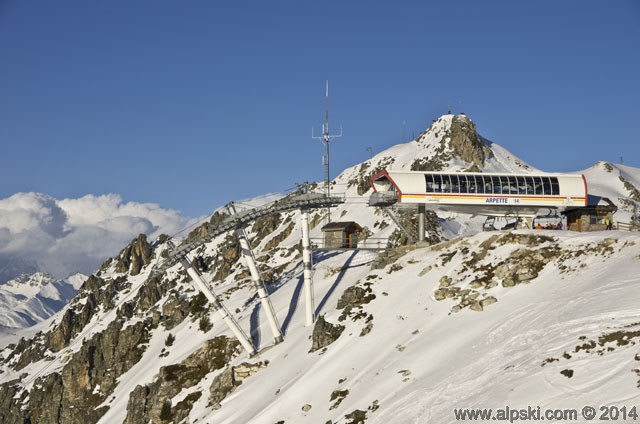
(519, 318)
(32, 298)
(420, 361)
(619, 183)
(546, 319)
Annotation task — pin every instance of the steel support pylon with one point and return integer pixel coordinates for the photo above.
(249, 259)
(421, 219)
(308, 271)
(217, 305)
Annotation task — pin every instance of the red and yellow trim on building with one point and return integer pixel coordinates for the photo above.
(490, 196)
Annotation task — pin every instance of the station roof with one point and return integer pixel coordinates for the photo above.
(348, 226)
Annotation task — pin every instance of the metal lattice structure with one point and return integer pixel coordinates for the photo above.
(243, 218)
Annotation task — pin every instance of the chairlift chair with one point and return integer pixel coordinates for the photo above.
(488, 224)
(200, 264)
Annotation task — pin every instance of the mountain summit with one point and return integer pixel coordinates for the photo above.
(458, 138)
(451, 143)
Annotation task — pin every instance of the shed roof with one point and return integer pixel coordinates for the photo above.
(342, 226)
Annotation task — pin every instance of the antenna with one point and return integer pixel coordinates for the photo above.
(326, 137)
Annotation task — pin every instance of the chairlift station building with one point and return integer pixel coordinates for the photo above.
(479, 193)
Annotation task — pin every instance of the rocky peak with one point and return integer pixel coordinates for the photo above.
(456, 135)
(133, 257)
(466, 143)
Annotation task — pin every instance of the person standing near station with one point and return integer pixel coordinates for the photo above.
(607, 221)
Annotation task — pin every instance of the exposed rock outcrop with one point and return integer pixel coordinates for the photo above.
(352, 300)
(324, 333)
(227, 381)
(634, 193)
(466, 143)
(95, 293)
(264, 226)
(278, 238)
(152, 402)
(391, 255)
(223, 384)
(83, 383)
(458, 138)
(228, 255)
(133, 257)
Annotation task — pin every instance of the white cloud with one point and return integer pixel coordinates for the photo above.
(76, 235)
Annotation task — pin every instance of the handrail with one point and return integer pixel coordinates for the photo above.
(626, 226)
(370, 243)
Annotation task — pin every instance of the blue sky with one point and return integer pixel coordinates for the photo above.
(190, 104)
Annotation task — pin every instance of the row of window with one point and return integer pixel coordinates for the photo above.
(492, 184)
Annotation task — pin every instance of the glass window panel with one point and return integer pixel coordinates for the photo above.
(437, 183)
(555, 186)
(513, 185)
(538, 185)
(471, 180)
(429, 180)
(496, 185)
(479, 183)
(446, 184)
(455, 184)
(505, 184)
(529, 183)
(522, 188)
(464, 187)
(546, 186)
(488, 184)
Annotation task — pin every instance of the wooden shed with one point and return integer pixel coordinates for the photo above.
(341, 235)
(591, 217)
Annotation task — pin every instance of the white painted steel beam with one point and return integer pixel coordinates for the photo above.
(217, 305)
(421, 219)
(247, 254)
(308, 272)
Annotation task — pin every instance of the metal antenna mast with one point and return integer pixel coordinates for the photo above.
(326, 137)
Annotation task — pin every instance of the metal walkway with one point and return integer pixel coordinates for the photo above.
(244, 218)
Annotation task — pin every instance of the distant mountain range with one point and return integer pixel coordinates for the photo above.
(12, 266)
(473, 320)
(32, 298)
